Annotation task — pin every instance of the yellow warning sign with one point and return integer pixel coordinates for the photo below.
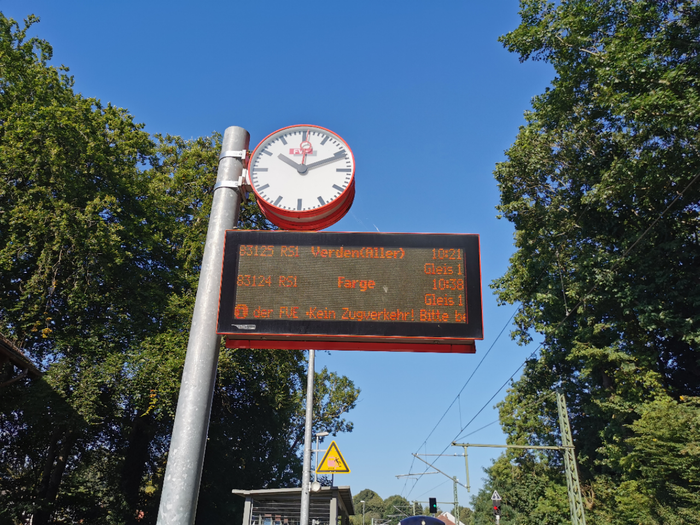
(333, 462)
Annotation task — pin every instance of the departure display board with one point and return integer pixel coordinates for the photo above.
(351, 287)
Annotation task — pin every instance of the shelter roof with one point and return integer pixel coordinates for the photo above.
(271, 495)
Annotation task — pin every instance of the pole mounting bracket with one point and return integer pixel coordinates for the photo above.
(236, 185)
(236, 154)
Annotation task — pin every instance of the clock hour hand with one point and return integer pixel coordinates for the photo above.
(301, 168)
(289, 161)
(337, 156)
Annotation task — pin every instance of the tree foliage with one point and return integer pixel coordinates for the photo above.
(532, 492)
(392, 509)
(602, 188)
(102, 230)
(373, 507)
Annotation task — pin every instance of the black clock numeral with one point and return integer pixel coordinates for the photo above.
(338, 187)
(320, 199)
(324, 140)
(267, 152)
(279, 198)
(263, 187)
(298, 204)
(283, 141)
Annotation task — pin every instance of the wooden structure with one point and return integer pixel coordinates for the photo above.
(14, 365)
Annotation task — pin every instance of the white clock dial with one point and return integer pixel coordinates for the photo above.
(302, 171)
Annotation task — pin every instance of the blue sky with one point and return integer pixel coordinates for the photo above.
(427, 99)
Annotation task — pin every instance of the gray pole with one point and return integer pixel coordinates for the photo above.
(306, 474)
(178, 502)
(316, 453)
(456, 502)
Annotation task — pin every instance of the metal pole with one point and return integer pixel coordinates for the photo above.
(456, 503)
(306, 474)
(318, 435)
(316, 469)
(178, 502)
(466, 466)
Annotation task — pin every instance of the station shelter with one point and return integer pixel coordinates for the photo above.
(327, 506)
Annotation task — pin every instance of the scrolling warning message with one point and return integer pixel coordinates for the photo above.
(351, 287)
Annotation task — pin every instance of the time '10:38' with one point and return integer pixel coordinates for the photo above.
(448, 284)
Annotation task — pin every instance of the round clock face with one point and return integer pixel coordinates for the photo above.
(302, 174)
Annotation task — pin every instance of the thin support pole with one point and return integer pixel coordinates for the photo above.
(306, 474)
(183, 474)
(316, 460)
(466, 467)
(456, 503)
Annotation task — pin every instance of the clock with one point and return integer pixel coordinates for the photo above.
(303, 177)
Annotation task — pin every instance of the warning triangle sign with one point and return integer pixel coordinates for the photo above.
(333, 462)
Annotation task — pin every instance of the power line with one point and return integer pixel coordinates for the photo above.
(624, 254)
(470, 378)
(457, 397)
(425, 441)
(568, 314)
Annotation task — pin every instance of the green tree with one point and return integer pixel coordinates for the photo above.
(102, 230)
(602, 188)
(661, 472)
(396, 508)
(466, 515)
(533, 491)
(83, 273)
(374, 507)
(260, 447)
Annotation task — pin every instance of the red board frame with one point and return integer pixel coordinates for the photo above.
(450, 336)
(289, 344)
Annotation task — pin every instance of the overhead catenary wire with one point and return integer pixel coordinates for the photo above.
(425, 441)
(568, 314)
(583, 212)
(469, 378)
(480, 410)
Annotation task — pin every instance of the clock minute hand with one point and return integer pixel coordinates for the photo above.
(337, 156)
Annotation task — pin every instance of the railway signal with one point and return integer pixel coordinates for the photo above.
(496, 501)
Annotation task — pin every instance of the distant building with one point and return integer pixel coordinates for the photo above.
(448, 519)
